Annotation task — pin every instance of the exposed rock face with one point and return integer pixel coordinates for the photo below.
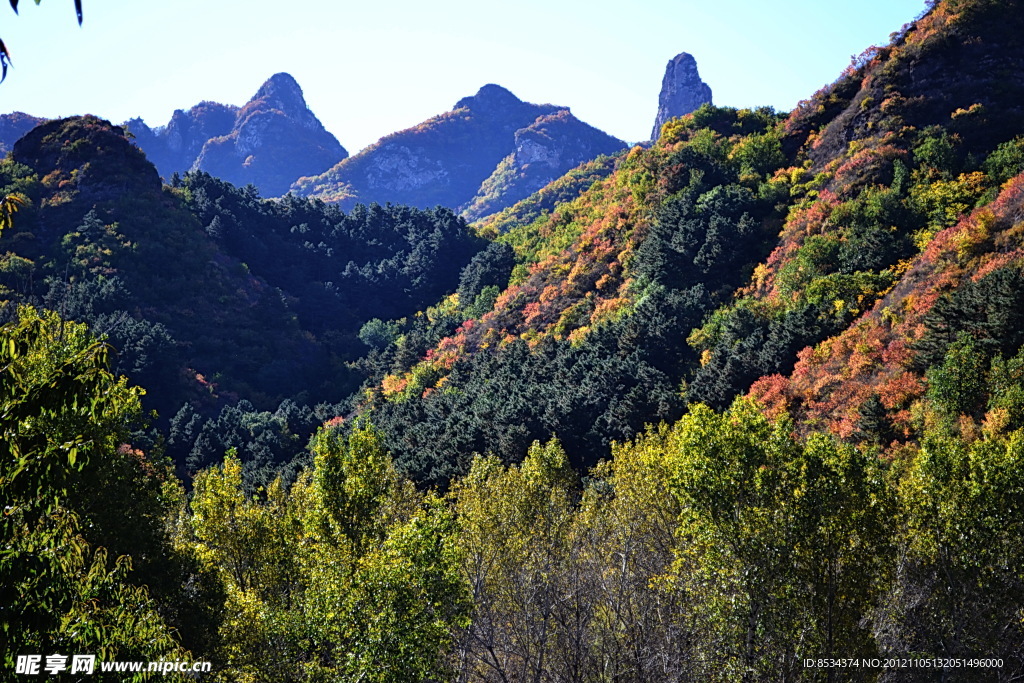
(545, 150)
(682, 91)
(174, 147)
(13, 126)
(270, 142)
(489, 151)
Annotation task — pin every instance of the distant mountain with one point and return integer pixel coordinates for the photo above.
(682, 91)
(270, 142)
(13, 126)
(490, 151)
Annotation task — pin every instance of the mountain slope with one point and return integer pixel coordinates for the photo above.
(927, 138)
(544, 151)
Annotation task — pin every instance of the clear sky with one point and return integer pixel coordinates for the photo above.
(371, 67)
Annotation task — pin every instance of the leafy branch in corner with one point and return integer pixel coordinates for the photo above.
(5, 56)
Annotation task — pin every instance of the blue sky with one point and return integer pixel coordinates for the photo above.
(369, 68)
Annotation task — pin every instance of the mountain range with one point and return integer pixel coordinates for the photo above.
(489, 152)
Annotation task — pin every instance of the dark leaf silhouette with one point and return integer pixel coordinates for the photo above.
(5, 59)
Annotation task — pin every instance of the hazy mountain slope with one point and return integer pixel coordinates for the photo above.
(560, 191)
(13, 126)
(544, 151)
(174, 148)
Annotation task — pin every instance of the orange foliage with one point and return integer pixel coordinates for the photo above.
(872, 357)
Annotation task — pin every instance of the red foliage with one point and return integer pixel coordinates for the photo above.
(772, 392)
(872, 357)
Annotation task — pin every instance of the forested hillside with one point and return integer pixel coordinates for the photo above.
(725, 408)
(230, 310)
(705, 266)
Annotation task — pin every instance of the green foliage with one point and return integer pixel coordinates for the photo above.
(491, 267)
(515, 531)
(956, 387)
(959, 585)
(351, 575)
(759, 155)
(378, 334)
(938, 154)
(783, 541)
(1005, 387)
(355, 478)
(63, 418)
(1006, 161)
(724, 121)
(989, 310)
(945, 201)
(701, 238)
(599, 390)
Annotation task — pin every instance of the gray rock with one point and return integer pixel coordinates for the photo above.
(275, 140)
(682, 91)
(545, 150)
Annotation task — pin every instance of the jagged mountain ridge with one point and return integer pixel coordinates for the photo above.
(489, 151)
(175, 147)
(270, 142)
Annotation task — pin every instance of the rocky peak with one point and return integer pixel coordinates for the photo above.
(491, 100)
(282, 92)
(275, 140)
(188, 131)
(682, 91)
(491, 150)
